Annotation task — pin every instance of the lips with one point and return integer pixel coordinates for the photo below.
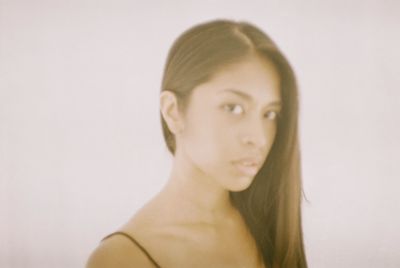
(248, 166)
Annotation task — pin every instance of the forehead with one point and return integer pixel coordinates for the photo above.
(256, 77)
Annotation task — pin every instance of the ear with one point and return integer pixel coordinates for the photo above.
(170, 112)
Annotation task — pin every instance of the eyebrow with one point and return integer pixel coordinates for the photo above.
(247, 96)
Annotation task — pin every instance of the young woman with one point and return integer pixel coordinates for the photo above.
(229, 114)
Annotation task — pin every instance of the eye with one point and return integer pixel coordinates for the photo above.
(234, 108)
(272, 115)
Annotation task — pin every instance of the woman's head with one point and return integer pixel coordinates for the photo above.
(201, 51)
(231, 118)
(206, 67)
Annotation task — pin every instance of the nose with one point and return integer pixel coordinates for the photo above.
(256, 134)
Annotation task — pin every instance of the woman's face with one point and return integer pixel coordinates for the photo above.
(230, 124)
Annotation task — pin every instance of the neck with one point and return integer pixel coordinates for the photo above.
(196, 196)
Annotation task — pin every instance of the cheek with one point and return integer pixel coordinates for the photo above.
(200, 135)
(272, 130)
(272, 136)
(210, 141)
(216, 138)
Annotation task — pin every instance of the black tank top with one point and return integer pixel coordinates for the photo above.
(137, 244)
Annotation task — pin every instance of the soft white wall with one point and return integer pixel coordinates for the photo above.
(81, 147)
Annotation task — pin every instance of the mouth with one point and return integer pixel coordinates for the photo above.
(247, 167)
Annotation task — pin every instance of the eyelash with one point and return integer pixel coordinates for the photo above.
(277, 116)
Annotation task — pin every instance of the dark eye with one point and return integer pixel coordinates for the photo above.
(234, 108)
(272, 115)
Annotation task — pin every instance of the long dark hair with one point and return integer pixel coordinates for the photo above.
(271, 205)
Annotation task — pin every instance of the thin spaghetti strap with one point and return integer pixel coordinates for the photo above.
(137, 244)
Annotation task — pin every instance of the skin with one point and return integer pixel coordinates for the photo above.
(191, 222)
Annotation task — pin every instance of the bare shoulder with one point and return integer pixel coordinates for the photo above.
(118, 251)
(152, 227)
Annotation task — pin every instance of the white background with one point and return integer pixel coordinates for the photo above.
(81, 147)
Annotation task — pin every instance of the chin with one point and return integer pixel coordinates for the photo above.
(240, 185)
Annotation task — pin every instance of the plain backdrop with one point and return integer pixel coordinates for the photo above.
(81, 146)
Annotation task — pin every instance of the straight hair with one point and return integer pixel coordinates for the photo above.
(271, 205)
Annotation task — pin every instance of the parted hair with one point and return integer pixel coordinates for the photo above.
(271, 205)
